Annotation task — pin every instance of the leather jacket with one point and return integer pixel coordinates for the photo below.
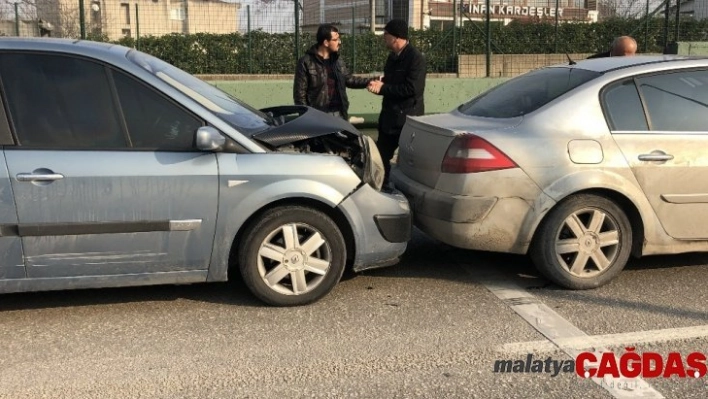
(310, 86)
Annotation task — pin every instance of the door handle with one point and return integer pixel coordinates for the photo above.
(39, 176)
(655, 156)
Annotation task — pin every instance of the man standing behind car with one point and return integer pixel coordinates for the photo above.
(321, 77)
(402, 88)
(621, 47)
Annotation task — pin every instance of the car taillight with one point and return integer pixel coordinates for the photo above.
(471, 154)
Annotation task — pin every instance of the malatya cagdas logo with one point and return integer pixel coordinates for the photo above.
(633, 364)
(531, 365)
(630, 364)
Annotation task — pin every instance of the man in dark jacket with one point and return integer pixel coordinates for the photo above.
(402, 88)
(321, 77)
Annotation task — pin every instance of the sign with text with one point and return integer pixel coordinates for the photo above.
(502, 10)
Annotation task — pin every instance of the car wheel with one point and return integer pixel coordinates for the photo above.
(292, 256)
(584, 242)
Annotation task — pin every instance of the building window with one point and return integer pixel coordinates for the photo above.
(177, 14)
(125, 32)
(178, 11)
(441, 25)
(125, 13)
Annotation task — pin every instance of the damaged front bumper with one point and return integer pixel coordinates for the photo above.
(381, 222)
(382, 226)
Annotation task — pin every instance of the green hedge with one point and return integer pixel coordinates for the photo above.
(204, 53)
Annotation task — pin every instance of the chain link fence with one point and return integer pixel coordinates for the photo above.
(478, 38)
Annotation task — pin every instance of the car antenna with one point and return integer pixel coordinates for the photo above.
(571, 62)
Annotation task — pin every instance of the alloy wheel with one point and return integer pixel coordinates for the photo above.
(294, 259)
(588, 242)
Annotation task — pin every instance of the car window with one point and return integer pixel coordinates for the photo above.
(676, 101)
(5, 131)
(623, 108)
(153, 121)
(60, 102)
(241, 116)
(526, 93)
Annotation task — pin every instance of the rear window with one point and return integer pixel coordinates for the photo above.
(526, 93)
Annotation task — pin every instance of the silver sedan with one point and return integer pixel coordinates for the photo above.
(578, 165)
(120, 169)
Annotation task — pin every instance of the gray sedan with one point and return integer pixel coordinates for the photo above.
(579, 165)
(120, 169)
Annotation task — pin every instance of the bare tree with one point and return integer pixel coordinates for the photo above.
(28, 10)
(6, 11)
(625, 8)
(64, 16)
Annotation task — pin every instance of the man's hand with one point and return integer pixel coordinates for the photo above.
(375, 86)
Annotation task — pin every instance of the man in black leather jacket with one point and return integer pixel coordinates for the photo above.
(402, 88)
(321, 77)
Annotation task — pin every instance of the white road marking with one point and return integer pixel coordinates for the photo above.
(622, 339)
(554, 327)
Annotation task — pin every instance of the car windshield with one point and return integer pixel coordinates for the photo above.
(526, 93)
(238, 114)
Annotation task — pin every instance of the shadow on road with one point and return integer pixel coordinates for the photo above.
(232, 293)
(434, 260)
(424, 259)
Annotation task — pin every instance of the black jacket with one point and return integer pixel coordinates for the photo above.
(404, 85)
(607, 53)
(311, 81)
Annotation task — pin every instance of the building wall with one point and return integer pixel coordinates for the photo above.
(27, 28)
(415, 17)
(117, 18)
(339, 12)
(343, 12)
(697, 8)
(212, 16)
(62, 14)
(700, 9)
(422, 12)
(311, 13)
(507, 11)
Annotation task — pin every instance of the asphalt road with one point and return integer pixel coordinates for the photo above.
(430, 327)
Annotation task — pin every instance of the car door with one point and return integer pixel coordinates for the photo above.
(660, 123)
(104, 174)
(11, 262)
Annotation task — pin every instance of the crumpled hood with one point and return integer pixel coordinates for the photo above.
(302, 129)
(306, 124)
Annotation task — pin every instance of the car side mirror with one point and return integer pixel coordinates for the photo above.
(209, 139)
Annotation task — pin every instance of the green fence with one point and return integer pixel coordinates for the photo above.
(267, 36)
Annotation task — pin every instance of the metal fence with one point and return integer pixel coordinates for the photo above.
(461, 37)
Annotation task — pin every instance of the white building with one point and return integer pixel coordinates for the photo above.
(697, 9)
(438, 14)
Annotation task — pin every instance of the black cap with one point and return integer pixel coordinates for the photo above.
(397, 28)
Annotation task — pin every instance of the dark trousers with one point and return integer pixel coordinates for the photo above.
(387, 144)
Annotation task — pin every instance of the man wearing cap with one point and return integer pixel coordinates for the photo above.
(402, 88)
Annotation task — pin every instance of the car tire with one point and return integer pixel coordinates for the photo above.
(292, 255)
(583, 243)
